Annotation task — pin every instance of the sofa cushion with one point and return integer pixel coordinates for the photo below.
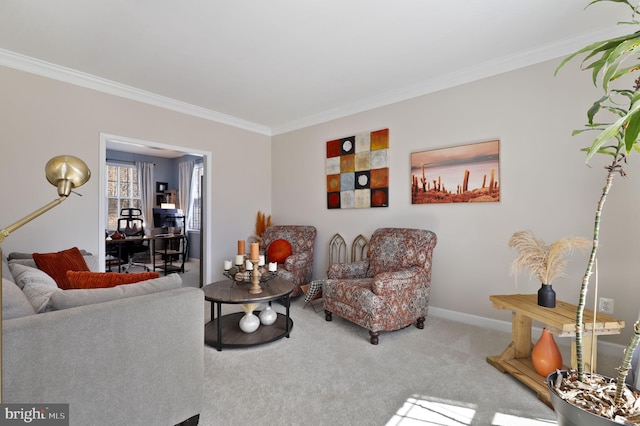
(23, 274)
(73, 298)
(14, 303)
(57, 264)
(22, 255)
(278, 251)
(26, 262)
(91, 259)
(36, 285)
(39, 295)
(6, 273)
(83, 279)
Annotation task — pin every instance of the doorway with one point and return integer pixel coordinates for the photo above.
(155, 149)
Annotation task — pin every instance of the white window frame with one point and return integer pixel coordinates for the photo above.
(196, 178)
(133, 185)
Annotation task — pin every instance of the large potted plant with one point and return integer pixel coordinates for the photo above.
(616, 118)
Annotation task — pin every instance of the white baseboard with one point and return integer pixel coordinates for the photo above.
(607, 348)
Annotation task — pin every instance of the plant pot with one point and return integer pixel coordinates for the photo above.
(568, 414)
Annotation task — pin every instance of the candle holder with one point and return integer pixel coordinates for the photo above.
(241, 275)
(255, 278)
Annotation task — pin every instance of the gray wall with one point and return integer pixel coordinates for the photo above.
(41, 118)
(546, 187)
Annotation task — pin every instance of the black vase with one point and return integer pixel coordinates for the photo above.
(546, 296)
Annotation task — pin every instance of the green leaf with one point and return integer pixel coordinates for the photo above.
(595, 48)
(616, 57)
(595, 108)
(633, 8)
(625, 71)
(611, 132)
(631, 134)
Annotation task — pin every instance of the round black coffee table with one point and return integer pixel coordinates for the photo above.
(224, 330)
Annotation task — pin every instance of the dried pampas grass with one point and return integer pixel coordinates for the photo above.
(545, 262)
(248, 307)
(262, 223)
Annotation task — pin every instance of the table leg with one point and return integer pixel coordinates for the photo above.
(521, 335)
(287, 302)
(219, 305)
(589, 341)
(153, 260)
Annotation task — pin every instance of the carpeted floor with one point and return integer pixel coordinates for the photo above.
(327, 373)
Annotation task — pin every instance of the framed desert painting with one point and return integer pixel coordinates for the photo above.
(458, 174)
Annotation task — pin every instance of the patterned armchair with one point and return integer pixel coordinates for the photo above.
(389, 290)
(298, 267)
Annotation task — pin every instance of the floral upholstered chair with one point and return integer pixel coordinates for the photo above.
(389, 290)
(291, 246)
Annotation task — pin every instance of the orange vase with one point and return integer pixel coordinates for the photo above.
(546, 356)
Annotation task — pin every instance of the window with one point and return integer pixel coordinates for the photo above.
(122, 191)
(194, 220)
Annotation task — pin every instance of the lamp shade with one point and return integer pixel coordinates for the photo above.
(66, 172)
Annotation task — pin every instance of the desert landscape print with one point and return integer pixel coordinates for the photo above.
(459, 174)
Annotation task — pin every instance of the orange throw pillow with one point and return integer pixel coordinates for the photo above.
(278, 251)
(86, 280)
(57, 264)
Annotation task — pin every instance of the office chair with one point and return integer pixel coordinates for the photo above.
(131, 224)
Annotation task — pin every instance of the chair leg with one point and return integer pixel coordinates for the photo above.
(327, 315)
(374, 337)
(420, 323)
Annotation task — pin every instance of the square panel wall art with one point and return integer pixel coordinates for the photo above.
(358, 171)
(459, 174)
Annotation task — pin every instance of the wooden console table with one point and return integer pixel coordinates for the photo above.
(561, 321)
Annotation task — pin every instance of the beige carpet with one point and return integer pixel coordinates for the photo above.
(327, 373)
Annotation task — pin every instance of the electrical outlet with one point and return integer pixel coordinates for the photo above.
(605, 305)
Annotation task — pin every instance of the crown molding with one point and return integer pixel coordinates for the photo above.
(56, 72)
(471, 74)
(468, 75)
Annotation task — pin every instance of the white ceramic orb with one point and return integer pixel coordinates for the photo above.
(268, 316)
(249, 323)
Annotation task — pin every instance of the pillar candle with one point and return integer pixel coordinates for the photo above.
(261, 262)
(248, 265)
(273, 266)
(241, 248)
(255, 251)
(239, 259)
(227, 265)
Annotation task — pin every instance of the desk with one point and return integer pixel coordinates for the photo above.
(516, 358)
(167, 252)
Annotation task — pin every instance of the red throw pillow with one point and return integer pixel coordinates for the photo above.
(278, 251)
(57, 264)
(83, 279)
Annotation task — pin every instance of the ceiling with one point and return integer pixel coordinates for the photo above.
(278, 65)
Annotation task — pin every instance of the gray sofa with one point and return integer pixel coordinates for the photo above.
(127, 355)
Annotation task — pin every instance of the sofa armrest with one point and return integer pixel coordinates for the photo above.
(348, 270)
(298, 261)
(134, 361)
